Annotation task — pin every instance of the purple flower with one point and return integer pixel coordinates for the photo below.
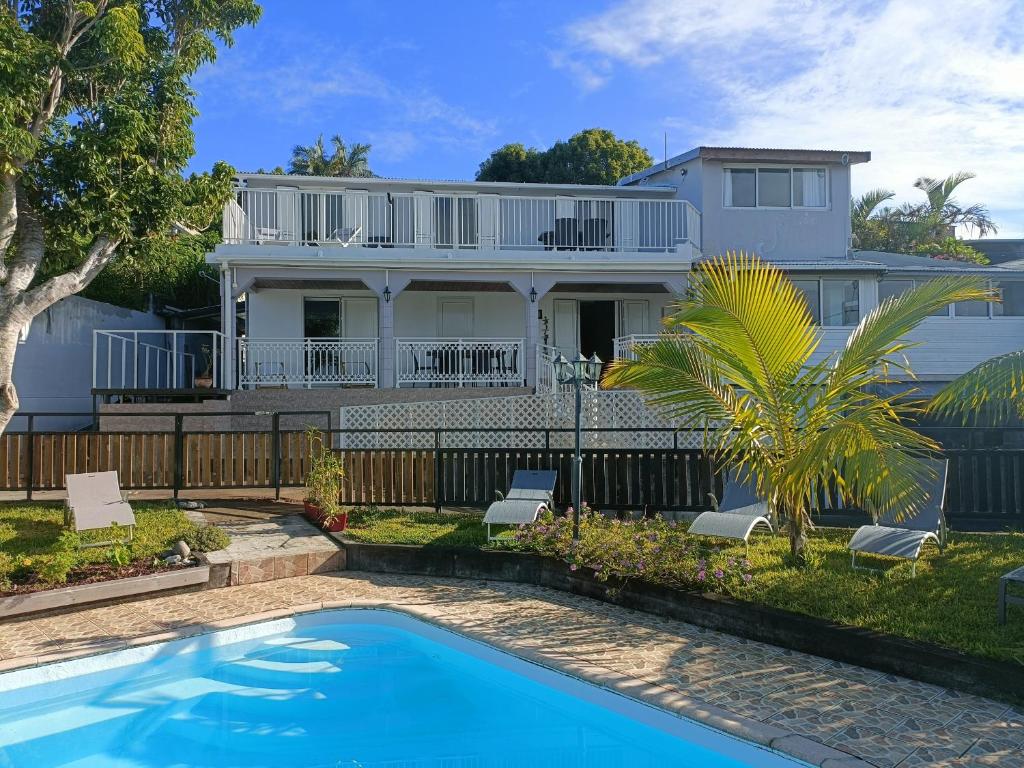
(732, 562)
(746, 578)
(572, 567)
(701, 575)
(719, 573)
(597, 567)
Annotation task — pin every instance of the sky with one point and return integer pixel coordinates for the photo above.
(930, 87)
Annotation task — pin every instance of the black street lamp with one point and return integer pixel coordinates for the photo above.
(578, 372)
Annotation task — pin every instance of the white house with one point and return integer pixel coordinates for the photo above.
(401, 283)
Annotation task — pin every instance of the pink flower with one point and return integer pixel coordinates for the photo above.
(572, 567)
(719, 573)
(746, 578)
(701, 575)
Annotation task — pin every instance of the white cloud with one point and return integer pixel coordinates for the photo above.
(929, 88)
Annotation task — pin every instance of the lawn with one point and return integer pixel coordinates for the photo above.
(951, 602)
(29, 533)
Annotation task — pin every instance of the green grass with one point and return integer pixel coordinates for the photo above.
(951, 602)
(29, 530)
(393, 526)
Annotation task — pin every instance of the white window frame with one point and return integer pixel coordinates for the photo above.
(757, 187)
(951, 308)
(797, 278)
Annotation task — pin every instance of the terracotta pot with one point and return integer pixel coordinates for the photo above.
(316, 515)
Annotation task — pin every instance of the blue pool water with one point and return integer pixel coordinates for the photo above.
(346, 689)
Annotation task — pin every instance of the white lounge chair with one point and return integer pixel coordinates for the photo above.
(95, 501)
(907, 537)
(735, 516)
(531, 493)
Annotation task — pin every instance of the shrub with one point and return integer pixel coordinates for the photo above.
(325, 476)
(120, 555)
(206, 538)
(7, 567)
(653, 550)
(55, 568)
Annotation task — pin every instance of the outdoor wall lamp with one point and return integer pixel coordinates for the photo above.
(387, 294)
(578, 373)
(533, 295)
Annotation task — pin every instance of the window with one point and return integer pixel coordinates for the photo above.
(809, 187)
(776, 188)
(840, 302)
(740, 187)
(971, 309)
(810, 290)
(889, 288)
(1012, 294)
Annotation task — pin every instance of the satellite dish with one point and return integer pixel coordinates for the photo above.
(845, 159)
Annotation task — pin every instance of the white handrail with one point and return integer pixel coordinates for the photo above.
(307, 362)
(142, 359)
(458, 220)
(460, 362)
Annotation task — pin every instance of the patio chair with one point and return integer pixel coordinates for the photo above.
(734, 517)
(907, 537)
(531, 493)
(95, 501)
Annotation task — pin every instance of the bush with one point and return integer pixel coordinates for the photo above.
(55, 568)
(206, 538)
(120, 555)
(652, 550)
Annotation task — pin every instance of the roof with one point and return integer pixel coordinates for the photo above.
(881, 262)
(375, 182)
(753, 155)
(1000, 250)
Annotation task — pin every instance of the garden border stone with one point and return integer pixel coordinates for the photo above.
(80, 595)
(918, 660)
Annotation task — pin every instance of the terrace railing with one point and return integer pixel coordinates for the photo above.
(156, 360)
(469, 362)
(626, 346)
(307, 362)
(547, 379)
(340, 219)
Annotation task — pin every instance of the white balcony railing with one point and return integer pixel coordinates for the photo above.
(455, 221)
(460, 362)
(626, 346)
(547, 380)
(306, 362)
(157, 359)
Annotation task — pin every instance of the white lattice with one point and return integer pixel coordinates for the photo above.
(515, 416)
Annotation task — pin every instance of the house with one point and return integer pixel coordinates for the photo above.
(386, 283)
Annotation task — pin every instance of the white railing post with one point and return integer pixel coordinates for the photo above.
(95, 341)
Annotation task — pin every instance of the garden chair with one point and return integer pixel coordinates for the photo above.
(95, 501)
(906, 538)
(531, 493)
(734, 517)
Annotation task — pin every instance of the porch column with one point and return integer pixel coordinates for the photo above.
(387, 284)
(227, 327)
(531, 325)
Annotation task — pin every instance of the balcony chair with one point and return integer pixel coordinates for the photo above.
(531, 493)
(736, 516)
(595, 234)
(906, 538)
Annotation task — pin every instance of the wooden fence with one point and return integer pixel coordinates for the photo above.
(985, 490)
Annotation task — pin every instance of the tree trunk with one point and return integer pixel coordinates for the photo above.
(798, 536)
(11, 324)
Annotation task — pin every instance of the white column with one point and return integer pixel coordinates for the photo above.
(385, 342)
(531, 322)
(227, 327)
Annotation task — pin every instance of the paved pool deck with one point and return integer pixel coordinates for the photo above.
(824, 712)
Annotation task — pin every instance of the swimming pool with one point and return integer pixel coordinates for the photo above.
(346, 689)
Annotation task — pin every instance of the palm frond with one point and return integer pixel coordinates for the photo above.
(996, 385)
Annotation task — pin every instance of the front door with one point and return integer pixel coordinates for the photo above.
(322, 319)
(597, 329)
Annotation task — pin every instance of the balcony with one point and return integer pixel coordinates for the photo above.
(460, 220)
(307, 362)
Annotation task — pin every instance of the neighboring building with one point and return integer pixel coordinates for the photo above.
(400, 283)
(53, 366)
(1001, 251)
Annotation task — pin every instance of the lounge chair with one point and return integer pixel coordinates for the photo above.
(531, 493)
(735, 516)
(95, 501)
(906, 538)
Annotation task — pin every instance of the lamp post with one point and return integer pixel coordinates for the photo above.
(578, 372)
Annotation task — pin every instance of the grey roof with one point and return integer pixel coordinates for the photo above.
(903, 262)
(754, 154)
(1000, 250)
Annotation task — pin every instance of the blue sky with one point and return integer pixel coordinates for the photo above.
(434, 87)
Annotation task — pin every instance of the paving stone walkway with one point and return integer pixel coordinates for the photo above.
(882, 719)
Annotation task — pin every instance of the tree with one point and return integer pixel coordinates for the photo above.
(95, 129)
(342, 161)
(927, 229)
(995, 387)
(737, 363)
(593, 156)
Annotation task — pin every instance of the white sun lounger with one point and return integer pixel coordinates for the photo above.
(531, 493)
(95, 501)
(735, 516)
(906, 538)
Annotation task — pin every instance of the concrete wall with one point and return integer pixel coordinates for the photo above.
(53, 365)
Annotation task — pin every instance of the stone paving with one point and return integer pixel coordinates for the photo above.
(882, 719)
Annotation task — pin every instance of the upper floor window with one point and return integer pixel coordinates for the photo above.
(776, 188)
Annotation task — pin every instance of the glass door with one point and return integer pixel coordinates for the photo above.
(322, 327)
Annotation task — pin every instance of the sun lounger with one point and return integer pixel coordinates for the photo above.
(906, 538)
(531, 493)
(95, 501)
(735, 516)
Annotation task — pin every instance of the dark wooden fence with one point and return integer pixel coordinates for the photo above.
(985, 489)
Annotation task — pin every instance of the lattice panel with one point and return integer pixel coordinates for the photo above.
(514, 416)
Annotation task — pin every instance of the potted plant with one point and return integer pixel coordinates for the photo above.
(205, 379)
(323, 484)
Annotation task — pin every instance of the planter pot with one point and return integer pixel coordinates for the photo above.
(316, 516)
(204, 382)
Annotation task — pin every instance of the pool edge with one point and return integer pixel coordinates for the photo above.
(747, 729)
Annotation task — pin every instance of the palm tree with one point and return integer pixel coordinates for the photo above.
(866, 231)
(948, 211)
(738, 362)
(342, 161)
(997, 385)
